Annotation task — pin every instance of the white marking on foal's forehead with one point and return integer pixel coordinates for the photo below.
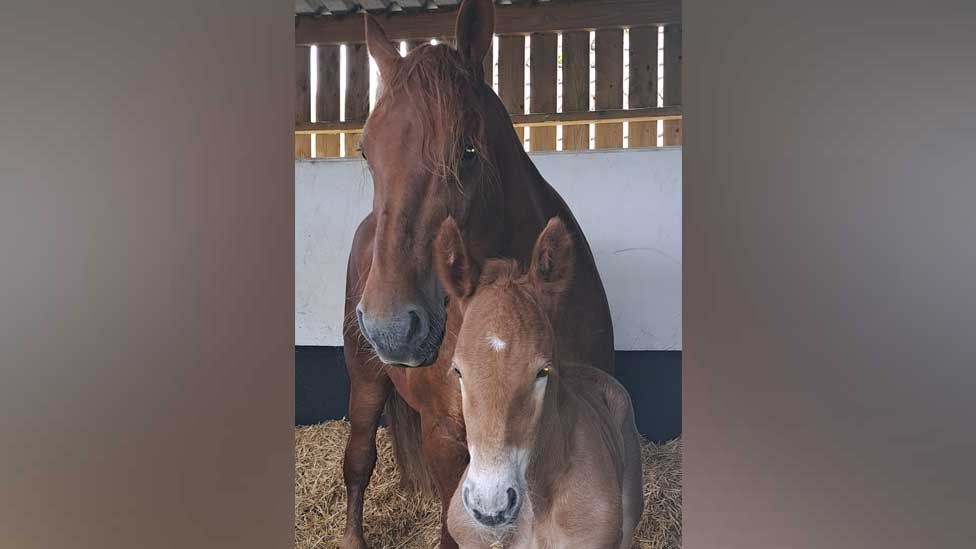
(496, 343)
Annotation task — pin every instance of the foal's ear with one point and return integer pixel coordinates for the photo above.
(380, 47)
(475, 24)
(553, 258)
(455, 269)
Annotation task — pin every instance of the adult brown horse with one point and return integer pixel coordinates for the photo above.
(439, 142)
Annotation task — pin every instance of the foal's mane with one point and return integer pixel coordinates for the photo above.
(444, 90)
(500, 272)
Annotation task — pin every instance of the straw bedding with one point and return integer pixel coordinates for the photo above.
(393, 519)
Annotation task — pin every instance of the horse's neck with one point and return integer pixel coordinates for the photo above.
(528, 203)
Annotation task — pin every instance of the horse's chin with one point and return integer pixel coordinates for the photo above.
(430, 349)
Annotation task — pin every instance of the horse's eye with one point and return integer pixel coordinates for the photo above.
(457, 373)
(542, 373)
(469, 152)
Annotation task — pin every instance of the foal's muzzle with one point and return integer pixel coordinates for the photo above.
(492, 510)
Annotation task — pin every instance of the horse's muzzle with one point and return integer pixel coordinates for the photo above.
(402, 338)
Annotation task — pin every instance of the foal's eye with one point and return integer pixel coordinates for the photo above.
(542, 373)
(457, 373)
(362, 153)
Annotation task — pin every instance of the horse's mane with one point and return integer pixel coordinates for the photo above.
(444, 89)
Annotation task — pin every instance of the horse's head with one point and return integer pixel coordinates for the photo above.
(426, 143)
(505, 361)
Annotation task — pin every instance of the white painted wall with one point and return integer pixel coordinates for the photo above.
(627, 201)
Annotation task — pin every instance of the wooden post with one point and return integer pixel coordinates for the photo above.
(576, 87)
(643, 83)
(303, 99)
(672, 81)
(327, 102)
(542, 97)
(610, 85)
(357, 92)
(511, 76)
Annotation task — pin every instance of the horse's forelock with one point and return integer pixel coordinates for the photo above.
(444, 91)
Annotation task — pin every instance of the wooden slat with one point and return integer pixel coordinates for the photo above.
(357, 92)
(327, 101)
(609, 85)
(576, 87)
(643, 83)
(303, 146)
(517, 18)
(511, 75)
(542, 96)
(303, 85)
(532, 120)
(326, 145)
(672, 81)
(303, 100)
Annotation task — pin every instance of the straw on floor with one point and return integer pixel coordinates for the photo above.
(394, 519)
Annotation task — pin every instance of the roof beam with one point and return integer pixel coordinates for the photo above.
(522, 18)
(645, 114)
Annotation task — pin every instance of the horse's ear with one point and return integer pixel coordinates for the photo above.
(553, 258)
(473, 31)
(455, 269)
(380, 47)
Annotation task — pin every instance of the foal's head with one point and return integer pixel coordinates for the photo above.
(505, 361)
(430, 144)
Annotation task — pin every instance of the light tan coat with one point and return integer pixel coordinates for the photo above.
(555, 457)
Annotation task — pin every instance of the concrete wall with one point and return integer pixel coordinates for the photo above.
(627, 201)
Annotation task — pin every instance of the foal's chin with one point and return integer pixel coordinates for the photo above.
(499, 532)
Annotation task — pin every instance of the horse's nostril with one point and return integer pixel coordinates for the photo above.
(512, 498)
(414, 326)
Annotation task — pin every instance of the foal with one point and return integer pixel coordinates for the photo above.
(555, 457)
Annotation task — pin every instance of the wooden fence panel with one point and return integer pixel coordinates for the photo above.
(672, 81)
(542, 95)
(357, 92)
(327, 101)
(303, 99)
(511, 75)
(609, 85)
(576, 87)
(335, 131)
(643, 83)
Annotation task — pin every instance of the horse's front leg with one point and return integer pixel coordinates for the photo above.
(368, 392)
(447, 456)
